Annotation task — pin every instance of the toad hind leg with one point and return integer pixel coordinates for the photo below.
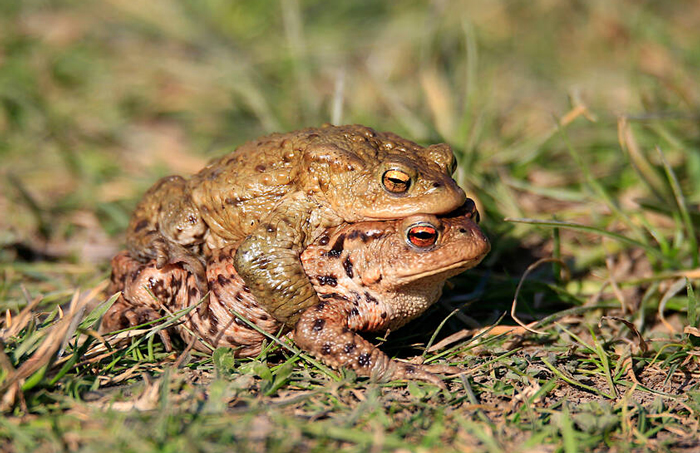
(123, 314)
(165, 225)
(323, 331)
(139, 283)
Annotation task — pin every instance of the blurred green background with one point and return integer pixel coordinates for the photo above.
(556, 110)
(98, 99)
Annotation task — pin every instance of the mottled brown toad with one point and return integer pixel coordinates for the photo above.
(370, 276)
(278, 194)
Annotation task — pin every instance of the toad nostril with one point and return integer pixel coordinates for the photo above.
(462, 230)
(477, 216)
(437, 184)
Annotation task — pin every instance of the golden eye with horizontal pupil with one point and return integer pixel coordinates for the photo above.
(422, 235)
(396, 181)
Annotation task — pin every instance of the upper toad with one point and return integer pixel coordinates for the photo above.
(279, 193)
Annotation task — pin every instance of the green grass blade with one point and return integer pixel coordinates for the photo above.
(574, 382)
(692, 304)
(605, 365)
(591, 229)
(568, 433)
(682, 207)
(90, 320)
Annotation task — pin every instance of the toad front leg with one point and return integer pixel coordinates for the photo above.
(166, 225)
(268, 259)
(324, 331)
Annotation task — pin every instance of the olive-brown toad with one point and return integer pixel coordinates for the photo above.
(278, 194)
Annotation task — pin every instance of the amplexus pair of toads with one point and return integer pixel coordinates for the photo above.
(322, 232)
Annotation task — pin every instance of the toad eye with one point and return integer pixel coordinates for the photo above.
(396, 181)
(422, 236)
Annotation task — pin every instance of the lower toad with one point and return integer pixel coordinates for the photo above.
(369, 276)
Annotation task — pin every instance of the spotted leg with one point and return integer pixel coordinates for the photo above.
(324, 331)
(139, 283)
(212, 324)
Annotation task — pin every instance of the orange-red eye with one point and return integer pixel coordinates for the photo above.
(396, 181)
(422, 236)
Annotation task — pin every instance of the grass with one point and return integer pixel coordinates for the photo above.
(576, 122)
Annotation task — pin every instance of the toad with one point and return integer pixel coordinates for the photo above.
(370, 276)
(274, 196)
